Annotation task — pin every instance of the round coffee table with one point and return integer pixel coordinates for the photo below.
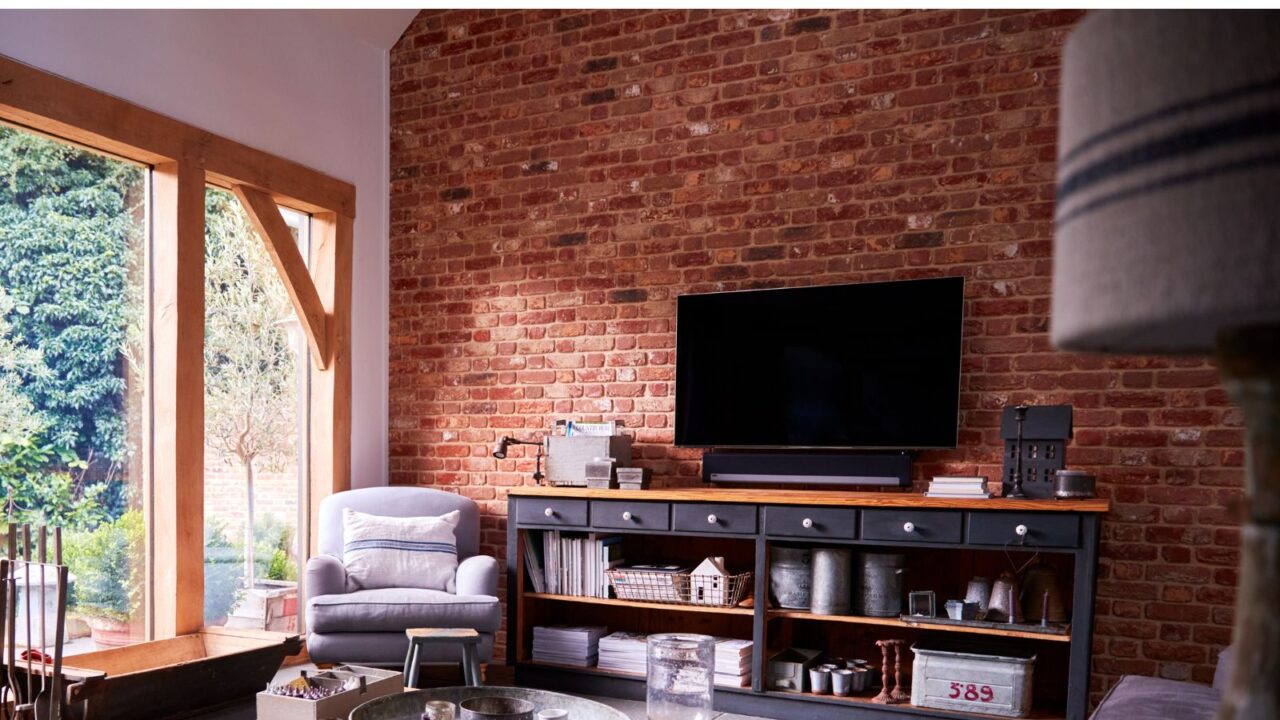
(409, 705)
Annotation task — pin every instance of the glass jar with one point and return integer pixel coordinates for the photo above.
(681, 678)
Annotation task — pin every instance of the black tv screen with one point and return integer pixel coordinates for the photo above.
(867, 365)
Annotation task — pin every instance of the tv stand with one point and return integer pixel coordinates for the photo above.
(807, 468)
(947, 541)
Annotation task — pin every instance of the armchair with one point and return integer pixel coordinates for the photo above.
(352, 625)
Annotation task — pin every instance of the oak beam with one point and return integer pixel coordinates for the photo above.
(283, 249)
(176, 527)
(331, 388)
(60, 107)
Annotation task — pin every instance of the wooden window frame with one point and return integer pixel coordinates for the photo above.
(184, 159)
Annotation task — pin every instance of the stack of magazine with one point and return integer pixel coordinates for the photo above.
(733, 662)
(564, 645)
(571, 563)
(944, 486)
(623, 652)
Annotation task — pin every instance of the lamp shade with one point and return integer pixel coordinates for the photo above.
(1168, 197)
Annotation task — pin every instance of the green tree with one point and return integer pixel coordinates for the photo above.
(19, 419)
(249, 364)
(70, 233)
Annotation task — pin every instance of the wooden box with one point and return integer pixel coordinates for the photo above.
(377, 684)
(567, 456)
(174, 677)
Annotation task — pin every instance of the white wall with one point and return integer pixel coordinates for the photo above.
(292, 83)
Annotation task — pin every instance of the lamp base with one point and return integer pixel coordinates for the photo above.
(1250, 359)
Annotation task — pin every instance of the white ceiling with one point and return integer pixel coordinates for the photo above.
(380, 28)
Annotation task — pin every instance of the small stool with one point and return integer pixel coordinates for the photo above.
(469, 640)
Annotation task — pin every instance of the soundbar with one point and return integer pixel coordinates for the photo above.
(807, 468)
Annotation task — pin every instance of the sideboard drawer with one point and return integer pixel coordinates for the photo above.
(811, 522)
(1041, 529)
(551, 511)
(707, 518)
(912, 526)
(625, 515)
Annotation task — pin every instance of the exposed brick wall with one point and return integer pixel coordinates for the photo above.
(558, 178)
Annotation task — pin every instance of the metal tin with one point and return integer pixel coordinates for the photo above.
(880, 588)
(790, 575)
(1074, 484)
(832, 586)
(972, 676)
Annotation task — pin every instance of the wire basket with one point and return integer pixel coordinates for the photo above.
(680, 588)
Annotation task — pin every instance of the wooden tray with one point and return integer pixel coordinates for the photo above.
(924, 622)
(174, 678)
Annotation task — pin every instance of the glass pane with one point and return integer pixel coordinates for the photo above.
(73, 356)
(254, 359)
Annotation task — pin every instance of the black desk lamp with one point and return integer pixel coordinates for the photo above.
(500, 452)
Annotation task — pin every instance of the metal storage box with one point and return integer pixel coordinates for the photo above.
(568, 455)
(789, 669)
(972, 676)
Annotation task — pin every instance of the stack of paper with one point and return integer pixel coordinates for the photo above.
(958, 487)
(623, 652)
(733, 662)
(565, 645)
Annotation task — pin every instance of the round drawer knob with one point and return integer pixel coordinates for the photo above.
(626, 515)
(908, 526)
(806, 523)
(712, 519)
(549, 512)
(1021, 530)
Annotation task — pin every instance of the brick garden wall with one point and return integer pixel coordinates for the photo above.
(559, 177)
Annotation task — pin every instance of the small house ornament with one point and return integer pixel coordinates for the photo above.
(1035, 448)
(709, 582)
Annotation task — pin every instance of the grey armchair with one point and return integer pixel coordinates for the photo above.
(350, 625)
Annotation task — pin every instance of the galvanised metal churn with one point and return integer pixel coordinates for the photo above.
(879, 591)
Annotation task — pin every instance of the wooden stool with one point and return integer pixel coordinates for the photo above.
(469, 640)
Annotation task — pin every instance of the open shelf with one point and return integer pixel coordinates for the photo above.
(917, 625)
(639, 604)
(1036, 712)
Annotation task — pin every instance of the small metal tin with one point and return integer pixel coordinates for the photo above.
(1073, 484)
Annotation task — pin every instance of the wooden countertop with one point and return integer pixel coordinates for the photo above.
(817, 497)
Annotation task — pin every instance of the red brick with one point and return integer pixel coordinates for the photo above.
(560, 177)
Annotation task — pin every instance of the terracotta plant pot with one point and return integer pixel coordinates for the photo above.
(109, 633)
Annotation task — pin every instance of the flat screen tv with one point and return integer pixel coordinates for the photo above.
(855, 366)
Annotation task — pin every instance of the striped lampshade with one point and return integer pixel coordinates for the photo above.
(1168, 198)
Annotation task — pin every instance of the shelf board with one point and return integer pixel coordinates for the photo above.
(865, 699)
(639, 604)
(895, 622)
(593, 670)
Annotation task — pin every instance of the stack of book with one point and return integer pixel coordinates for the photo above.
(565, 645)
(733, 662)
(623, 652)
(958, 487)
(571, 564)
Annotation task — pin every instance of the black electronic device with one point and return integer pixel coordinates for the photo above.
(853, 366)
(798, 468)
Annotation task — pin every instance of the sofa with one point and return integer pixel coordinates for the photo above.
(1137, 697)
(348, 624)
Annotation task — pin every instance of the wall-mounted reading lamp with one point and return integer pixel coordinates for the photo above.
(500, 452)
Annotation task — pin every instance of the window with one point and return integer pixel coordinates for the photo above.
(128, 320)
(255, 373)
(73, 369)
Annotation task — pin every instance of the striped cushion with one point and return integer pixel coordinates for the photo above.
(400, 552)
